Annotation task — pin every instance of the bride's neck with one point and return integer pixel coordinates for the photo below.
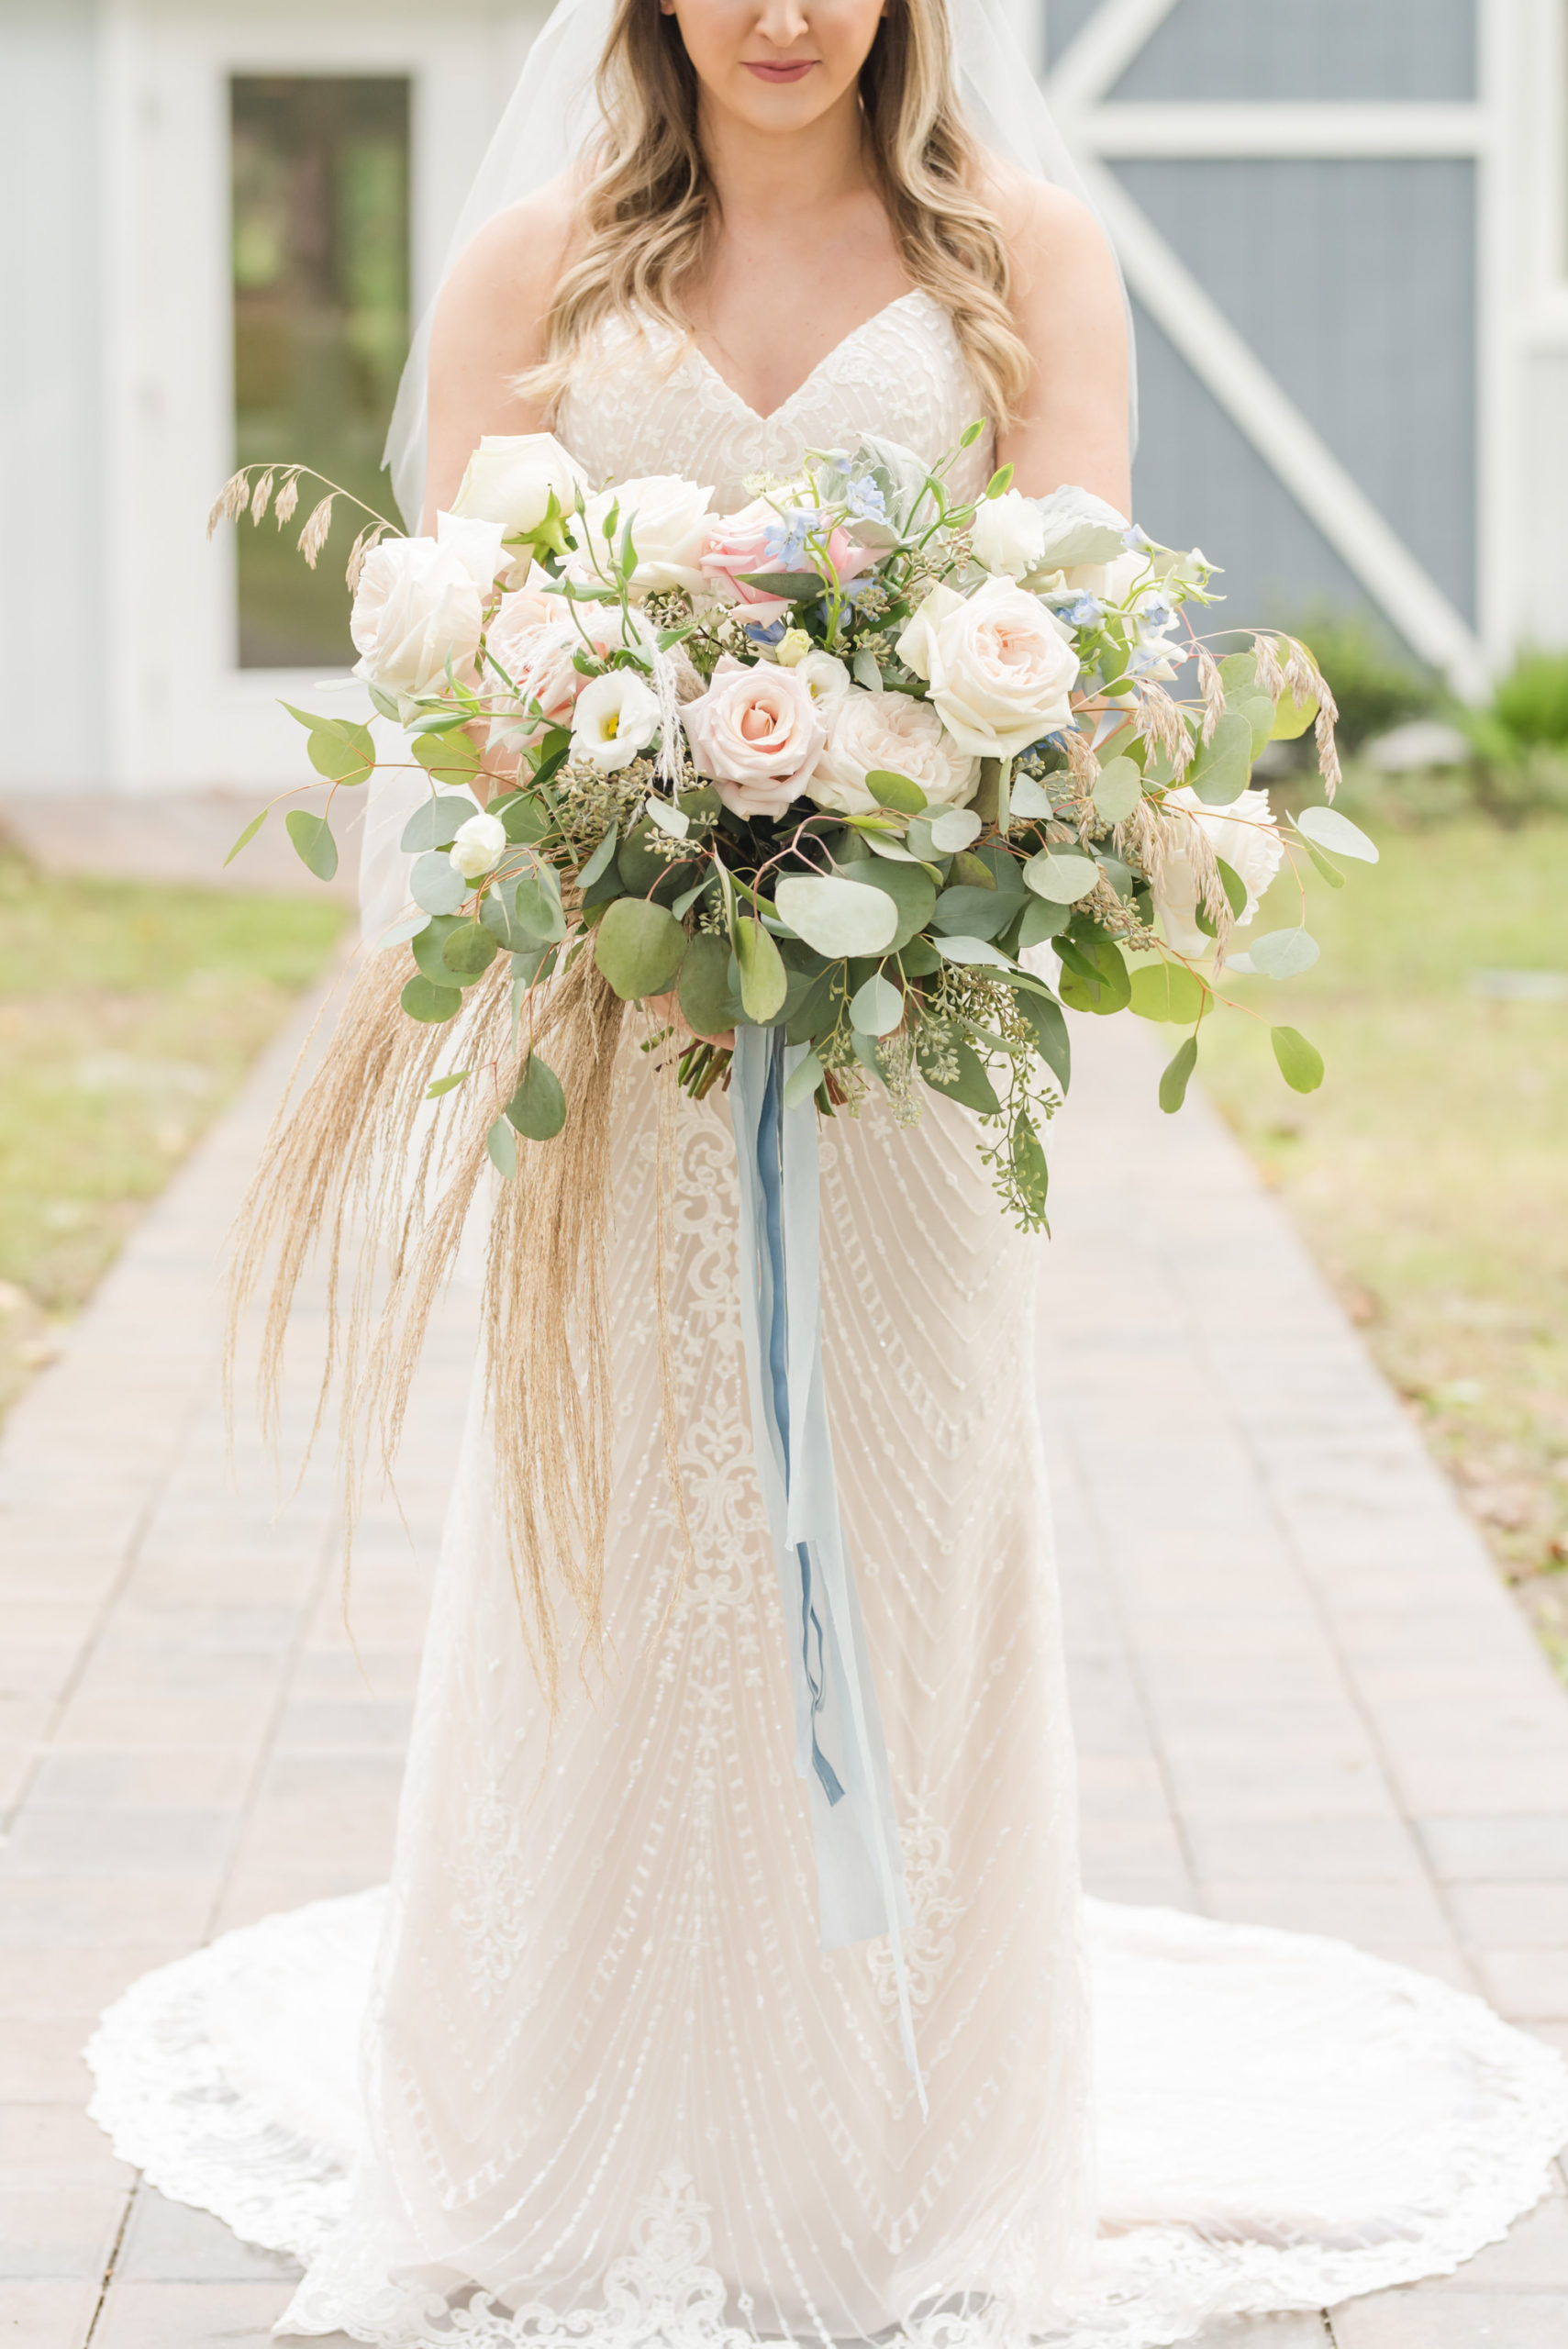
(772, 182)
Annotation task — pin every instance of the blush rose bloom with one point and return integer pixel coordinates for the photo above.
(867, 731)
(757, 732)
(999, 668)
(668, 518)
(419, 605)
(738, 542)
(1246, 834)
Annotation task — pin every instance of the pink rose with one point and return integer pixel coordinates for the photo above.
(537, 655)
(757, 732)
(739, 542)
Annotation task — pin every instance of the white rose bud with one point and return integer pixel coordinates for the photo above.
(617, 716)
(510, 477)
(1008, 534)
(791, 648)
(479, 845)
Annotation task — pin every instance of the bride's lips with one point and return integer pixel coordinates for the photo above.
(790, 71)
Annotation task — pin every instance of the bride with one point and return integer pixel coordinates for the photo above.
(611, 2085)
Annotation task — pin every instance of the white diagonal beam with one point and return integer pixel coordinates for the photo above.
(1302, 461)
(1095, 61)
(1272, 131)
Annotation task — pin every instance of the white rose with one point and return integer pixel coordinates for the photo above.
(617, 716)
(758, 733)
(479, 846)
(999, 668)
(1245, 834)
(1008, 534)
(510, 477)
(867, 731)
(668, 529)
(417, 606)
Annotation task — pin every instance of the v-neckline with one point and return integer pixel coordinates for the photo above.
(916, 294)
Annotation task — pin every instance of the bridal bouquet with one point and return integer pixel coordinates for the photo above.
(834, 764)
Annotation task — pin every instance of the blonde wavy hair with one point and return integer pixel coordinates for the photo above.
(648, 203)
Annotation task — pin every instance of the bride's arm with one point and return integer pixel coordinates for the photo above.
(489, 329)
(1067, 305)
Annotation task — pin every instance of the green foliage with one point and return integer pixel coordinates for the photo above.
(537, 1107)
(312, 837)
(638, 947)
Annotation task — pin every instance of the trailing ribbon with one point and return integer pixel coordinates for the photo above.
(841, 1751)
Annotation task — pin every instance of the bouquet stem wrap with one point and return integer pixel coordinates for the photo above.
(840, 1750)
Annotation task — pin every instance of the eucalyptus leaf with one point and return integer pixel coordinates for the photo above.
(971, 1085)
(1300, 1063)
(1221, 769)
(971, 951)
(1043, 921)
(449, 756)
(423, 1000)
(1258, 711)
(1118, 787)
(446, 1084)
(639, 947)
(1060, 876)
(1168, 991)
(1239, 674)
(764, 983)
(840, 917)
(1031, 797)
(312, 837)
(953, 829)
(877, 1007)
(895, 791)
(436, 884)
(911, 889)
(1327, 828)
(1050, 1038)
(1173, 1082)
(707, 1005)
(247, 836)
(978, 913)
(1325, 866)
(1282, 953)
(669, 819)
(435, 823)
(803, 1081)
(1235, 888)
(427, 952)
(537, 910)
(866, 672)
(400, 933)
(1094, 976)
(502, 1144)
(600, 860)
(537, 1107)
(1292, 718)
(1027, 1161)
(469, 948)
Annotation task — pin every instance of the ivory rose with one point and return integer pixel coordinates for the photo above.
(510, 478)
(999, 668)
(617, 716)
(420, 604)
(758, 734)
(1245, 834)
(668, 517)
(867, 731)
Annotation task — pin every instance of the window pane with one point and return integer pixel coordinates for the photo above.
(320, 261)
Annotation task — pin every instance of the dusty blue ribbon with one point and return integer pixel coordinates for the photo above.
(841, 1751)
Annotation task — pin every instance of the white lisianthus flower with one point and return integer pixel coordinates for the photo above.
(1008, 534)
(617, 716)
(669, 525)
(510, 478)
(1246, 834)
(417, 606)
(999, 667)
(479, 846)
(867, 731)
(827, 681)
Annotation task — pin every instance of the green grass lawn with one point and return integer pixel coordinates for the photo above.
(1430, 1172)
(128, 1017)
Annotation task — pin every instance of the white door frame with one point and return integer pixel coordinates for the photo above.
(183, 713)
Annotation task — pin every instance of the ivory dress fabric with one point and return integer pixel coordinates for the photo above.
(609, 2089)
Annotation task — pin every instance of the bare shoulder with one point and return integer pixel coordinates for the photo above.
(1054, 242)
(502, 284)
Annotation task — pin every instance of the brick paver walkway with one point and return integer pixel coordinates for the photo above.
(1302, 1696)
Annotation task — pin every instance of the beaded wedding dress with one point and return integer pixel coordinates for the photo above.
(609, 2089)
